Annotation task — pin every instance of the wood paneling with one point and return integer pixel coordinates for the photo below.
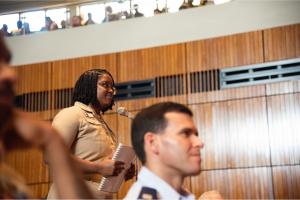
(227, 94)
(40, 190)
(34, 77)
(227, 51)
(245, 130)
(124, 129)
(282, 42)
(235, 133)
(252, 183)
(66, 72)
(151, 62)
(282, 87)
(138, 104)
(30, 164)
(284, 126)
(286, 182)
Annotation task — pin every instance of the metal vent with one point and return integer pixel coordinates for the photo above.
(33, 102)
(135, 89)
(261, 73)
(63, 98)
(205, 81)
(170, 85)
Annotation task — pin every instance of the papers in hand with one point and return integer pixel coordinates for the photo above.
(113, 183)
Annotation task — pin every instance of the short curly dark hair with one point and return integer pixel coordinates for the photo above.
(85, 90)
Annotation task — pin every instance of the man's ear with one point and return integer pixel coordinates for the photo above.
(151, 142)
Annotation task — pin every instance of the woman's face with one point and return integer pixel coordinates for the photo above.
(105, 91)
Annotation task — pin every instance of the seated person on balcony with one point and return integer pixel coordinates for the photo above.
(137, 13)
(109, 16)
(186, 5)
(90, 20)
(49, 25)
(19, 29)
(4, 31)
(76, 21)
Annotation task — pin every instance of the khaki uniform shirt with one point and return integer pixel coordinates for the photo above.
(88, 137)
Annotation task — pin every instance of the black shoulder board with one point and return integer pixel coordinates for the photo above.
(148, 193)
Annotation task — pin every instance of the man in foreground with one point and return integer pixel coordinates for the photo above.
(166, 141)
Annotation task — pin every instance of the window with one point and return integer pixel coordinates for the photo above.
(97, 11)
(173, 5)
(35, 19)
(10, 21)
(57, 15)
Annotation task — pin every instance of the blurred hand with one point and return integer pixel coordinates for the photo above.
(109, 167)
(209, 195)
(130, 172)
(21, 130)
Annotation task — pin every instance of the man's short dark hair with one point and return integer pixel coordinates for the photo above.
(85, 90)
(152, 119)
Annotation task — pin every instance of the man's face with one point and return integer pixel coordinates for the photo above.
(105, 91)
(179, 145)
(7, 84)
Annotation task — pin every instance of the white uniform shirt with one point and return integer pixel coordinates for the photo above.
(148, 179)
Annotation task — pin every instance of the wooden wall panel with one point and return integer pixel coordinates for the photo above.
(284, 126)
(138, 104)
(227, 94)
(34, 77)
(286, 182)
(282, 42)
(30, 164)
(66, 72)
(284, 87)
(249, 183)
(151, 62)
(40, 191)
(124, 129)
(227, 51)
(233, 122)
(235, 133)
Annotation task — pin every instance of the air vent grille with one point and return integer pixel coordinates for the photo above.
(204, 81)
(135, 89)
(261, 73)
(171, 85)
(33, 102)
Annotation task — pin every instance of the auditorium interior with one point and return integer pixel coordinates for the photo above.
(236, 65)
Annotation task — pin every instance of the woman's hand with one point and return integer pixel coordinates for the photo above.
(130, 172)
(109, 167)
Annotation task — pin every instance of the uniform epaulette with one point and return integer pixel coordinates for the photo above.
(148, 193)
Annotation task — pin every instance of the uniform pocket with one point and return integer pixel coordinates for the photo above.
(90, 118)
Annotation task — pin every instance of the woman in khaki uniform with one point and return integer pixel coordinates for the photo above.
(89, 138)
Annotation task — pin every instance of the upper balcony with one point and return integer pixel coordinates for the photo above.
(158, 29)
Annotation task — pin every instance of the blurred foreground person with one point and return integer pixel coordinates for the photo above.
(19, 130)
